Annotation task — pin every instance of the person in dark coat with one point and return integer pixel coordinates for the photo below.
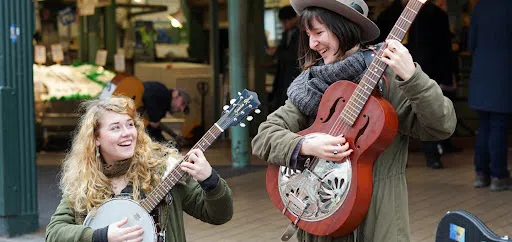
(489, 90)
(429, 42)
(286, 56)
(157, 101)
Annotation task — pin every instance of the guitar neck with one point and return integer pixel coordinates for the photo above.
(159, 192)
(377, 67)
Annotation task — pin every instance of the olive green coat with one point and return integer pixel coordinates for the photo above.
(214, 207)
(423, 113)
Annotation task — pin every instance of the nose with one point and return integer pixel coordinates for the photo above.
(313, 42)
(125, 131)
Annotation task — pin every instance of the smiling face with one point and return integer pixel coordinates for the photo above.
(323, 41)
(117, 136)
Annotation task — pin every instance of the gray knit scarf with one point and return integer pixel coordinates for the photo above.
(307, 89)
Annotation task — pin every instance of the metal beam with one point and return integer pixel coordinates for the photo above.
(93, 35)
(110, 32)
(215, 55)
(238, 75)
(18, 179)
(147, 9)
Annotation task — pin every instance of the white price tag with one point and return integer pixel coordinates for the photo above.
(119, 63)
(57, 53)
(101, 57)
(40, 54)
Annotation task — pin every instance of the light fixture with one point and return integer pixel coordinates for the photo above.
(174, 22)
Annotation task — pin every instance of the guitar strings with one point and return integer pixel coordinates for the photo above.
(398, 32)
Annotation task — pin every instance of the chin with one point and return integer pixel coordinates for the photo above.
(126, 156)
(328, 61)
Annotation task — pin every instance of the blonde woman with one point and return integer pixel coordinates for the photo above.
(112, 156)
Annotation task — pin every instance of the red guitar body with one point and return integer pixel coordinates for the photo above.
(373, 130)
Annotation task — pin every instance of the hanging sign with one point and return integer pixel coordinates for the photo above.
(119, 63)
(101, 57)
(86, 7)
(40, 54)
(57, 53)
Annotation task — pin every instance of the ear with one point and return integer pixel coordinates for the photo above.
(97, 142)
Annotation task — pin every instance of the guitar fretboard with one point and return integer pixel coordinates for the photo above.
(159, 192)
(377, 67)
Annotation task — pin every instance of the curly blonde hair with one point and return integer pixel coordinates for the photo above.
(83, 183)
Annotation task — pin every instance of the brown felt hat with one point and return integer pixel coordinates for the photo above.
(354, 10)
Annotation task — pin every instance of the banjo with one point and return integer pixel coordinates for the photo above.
(138, 213)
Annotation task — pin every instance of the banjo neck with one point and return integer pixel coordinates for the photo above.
(159, 192)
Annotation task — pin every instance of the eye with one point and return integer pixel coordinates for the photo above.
(115, 127)
(131, 124)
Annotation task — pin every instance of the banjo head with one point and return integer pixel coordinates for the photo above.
(117, 209)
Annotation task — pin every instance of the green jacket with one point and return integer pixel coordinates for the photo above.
(423, 113)
(214, 207)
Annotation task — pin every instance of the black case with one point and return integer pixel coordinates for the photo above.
(462, 226)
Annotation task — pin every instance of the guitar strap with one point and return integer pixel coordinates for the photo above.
(369, 54)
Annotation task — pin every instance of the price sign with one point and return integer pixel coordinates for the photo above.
(101, 58)
(119, 62)
(57, 53)
(86, 7)
(40, 54)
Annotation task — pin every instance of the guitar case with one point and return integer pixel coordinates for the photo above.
(462, 226)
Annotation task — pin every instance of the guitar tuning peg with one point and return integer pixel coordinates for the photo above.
(232, 101)
(242, 125)
(239, 94)
(249, 118)
(258, 111)
(226, 107)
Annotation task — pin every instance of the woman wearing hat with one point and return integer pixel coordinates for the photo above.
(332, 37)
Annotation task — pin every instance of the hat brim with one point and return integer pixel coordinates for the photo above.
(370, 31)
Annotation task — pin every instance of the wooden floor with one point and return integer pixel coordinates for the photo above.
(431, 194)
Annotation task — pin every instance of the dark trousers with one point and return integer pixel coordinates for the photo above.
(430, 151)
(491, 146)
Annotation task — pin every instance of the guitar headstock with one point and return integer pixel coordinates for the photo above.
(239, 108)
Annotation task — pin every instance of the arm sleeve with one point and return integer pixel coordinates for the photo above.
(277, 139)
(62, 226)
(213, 207)
(423, 112)
(211, 182)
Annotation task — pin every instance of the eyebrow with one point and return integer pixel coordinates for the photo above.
(314, 29)
(128, 120)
